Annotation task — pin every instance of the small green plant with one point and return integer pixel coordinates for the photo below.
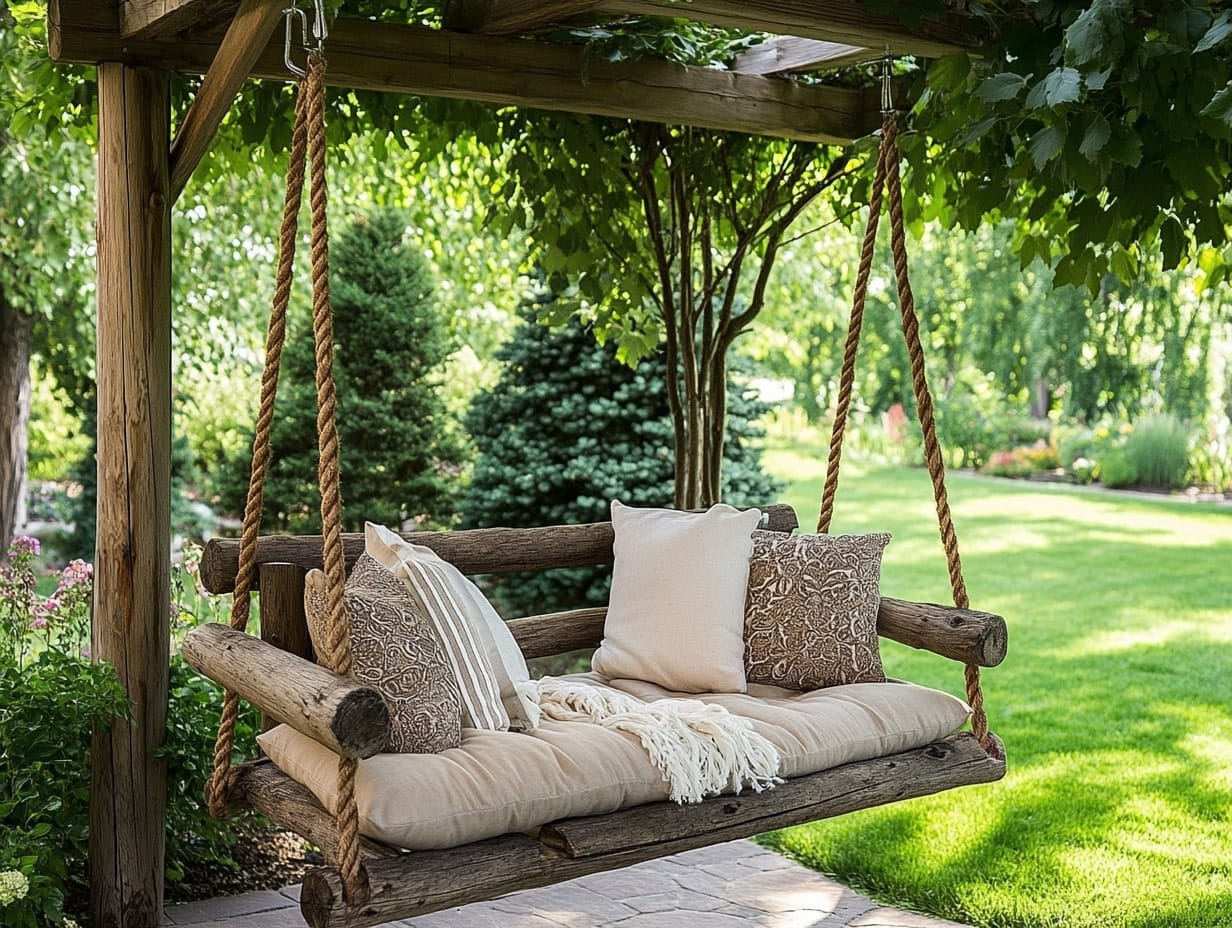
(1158, 447)
(1117, 469)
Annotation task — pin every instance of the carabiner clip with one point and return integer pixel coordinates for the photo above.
(319, 32)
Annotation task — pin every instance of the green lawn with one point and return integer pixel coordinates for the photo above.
(1115, 705)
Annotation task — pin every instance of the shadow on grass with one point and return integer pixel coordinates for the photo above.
(1113, 703)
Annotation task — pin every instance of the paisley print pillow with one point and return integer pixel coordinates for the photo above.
(395, 649)
(811, 613)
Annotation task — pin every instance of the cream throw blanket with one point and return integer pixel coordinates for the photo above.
(701, 750)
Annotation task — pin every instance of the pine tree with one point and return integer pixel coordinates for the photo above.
(398, 451)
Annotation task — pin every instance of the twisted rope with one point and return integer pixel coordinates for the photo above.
(221, 781)
(888, 168)
(848, 376)
(337, 645)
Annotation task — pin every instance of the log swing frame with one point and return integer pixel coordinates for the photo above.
(366, 883)
(478, 53)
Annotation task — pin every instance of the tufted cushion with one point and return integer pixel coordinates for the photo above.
(811, 612)
(501, 782)
(395, 649)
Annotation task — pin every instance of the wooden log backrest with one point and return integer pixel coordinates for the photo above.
(963, 635)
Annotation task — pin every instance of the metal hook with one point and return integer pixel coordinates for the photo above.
(320, 30)
(887, 89)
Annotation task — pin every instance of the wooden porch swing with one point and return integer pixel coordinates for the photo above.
(365, 882)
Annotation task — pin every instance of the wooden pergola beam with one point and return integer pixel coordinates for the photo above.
(843, 21)
(787, 53)
(840, 21)
(246, 38)
(367, 55)
(163, 19)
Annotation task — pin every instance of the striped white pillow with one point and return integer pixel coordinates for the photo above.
(497, 692)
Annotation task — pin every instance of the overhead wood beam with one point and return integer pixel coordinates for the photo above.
(246, 38)
(787, 53)
(512, 72)
(512, 17)
(843, 21)
(164, 19)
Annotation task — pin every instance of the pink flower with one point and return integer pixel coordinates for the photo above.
(77, 573)
(39, 624)
(24, 544)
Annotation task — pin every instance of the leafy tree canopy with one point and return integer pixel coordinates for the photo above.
(1102, 127)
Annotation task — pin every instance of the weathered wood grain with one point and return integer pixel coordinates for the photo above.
(963, 635)
(132, 555)
(426, 881)
(283, 623)
(262, 786)
(473, 551)
(246, 38)
(787, 53)
(163, 19)
(346, 717)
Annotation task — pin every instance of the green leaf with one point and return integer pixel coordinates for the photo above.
(1126, 148)
(1046, 145)
(1220, 107)
(1097, 80)
(1095, 138)
(1004, 86)
(1086, 37)
(1220, 29)
(949, 72)
(1173, 242)
(1063, 85)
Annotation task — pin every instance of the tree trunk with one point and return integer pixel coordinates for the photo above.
(1041, 398)
(16, 328)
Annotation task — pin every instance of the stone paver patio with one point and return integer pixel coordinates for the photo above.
(734, 885)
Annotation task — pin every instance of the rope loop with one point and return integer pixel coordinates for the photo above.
(308, 149)
(888, 175)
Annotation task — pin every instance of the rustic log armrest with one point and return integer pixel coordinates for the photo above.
(346, 717)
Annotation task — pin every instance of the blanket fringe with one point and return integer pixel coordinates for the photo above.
(701, 749)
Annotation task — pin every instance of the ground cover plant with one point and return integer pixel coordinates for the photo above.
(1113, 703)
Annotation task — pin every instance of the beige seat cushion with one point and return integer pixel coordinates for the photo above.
(500, 782)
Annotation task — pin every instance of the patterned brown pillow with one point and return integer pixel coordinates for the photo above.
(810, 617)
(395, 649)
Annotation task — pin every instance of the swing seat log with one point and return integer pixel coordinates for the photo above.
(405, 884)
(408, 883)
(348, 718)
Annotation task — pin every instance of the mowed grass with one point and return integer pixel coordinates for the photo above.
(1115, 705)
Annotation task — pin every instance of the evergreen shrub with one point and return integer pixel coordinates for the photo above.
(567, 429)
(399, 452)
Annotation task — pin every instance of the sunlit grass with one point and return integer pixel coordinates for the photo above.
(1115, 705)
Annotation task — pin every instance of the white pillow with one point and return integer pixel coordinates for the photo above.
(676, 612)
(497, 691)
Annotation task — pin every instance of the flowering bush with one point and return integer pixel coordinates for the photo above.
(51, 701)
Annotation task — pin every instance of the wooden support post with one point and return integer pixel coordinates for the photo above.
(132, 559)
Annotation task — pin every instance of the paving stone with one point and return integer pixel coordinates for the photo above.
(209, 910)
(785, 891)
(623, 885)
(479, 916)
(292, 892)
(684, 920)
(885, 917)
(273, 918)
(565, 904)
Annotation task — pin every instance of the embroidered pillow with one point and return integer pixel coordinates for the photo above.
(676, 612)
(497, 691)
(395, 649)
(811, 615)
